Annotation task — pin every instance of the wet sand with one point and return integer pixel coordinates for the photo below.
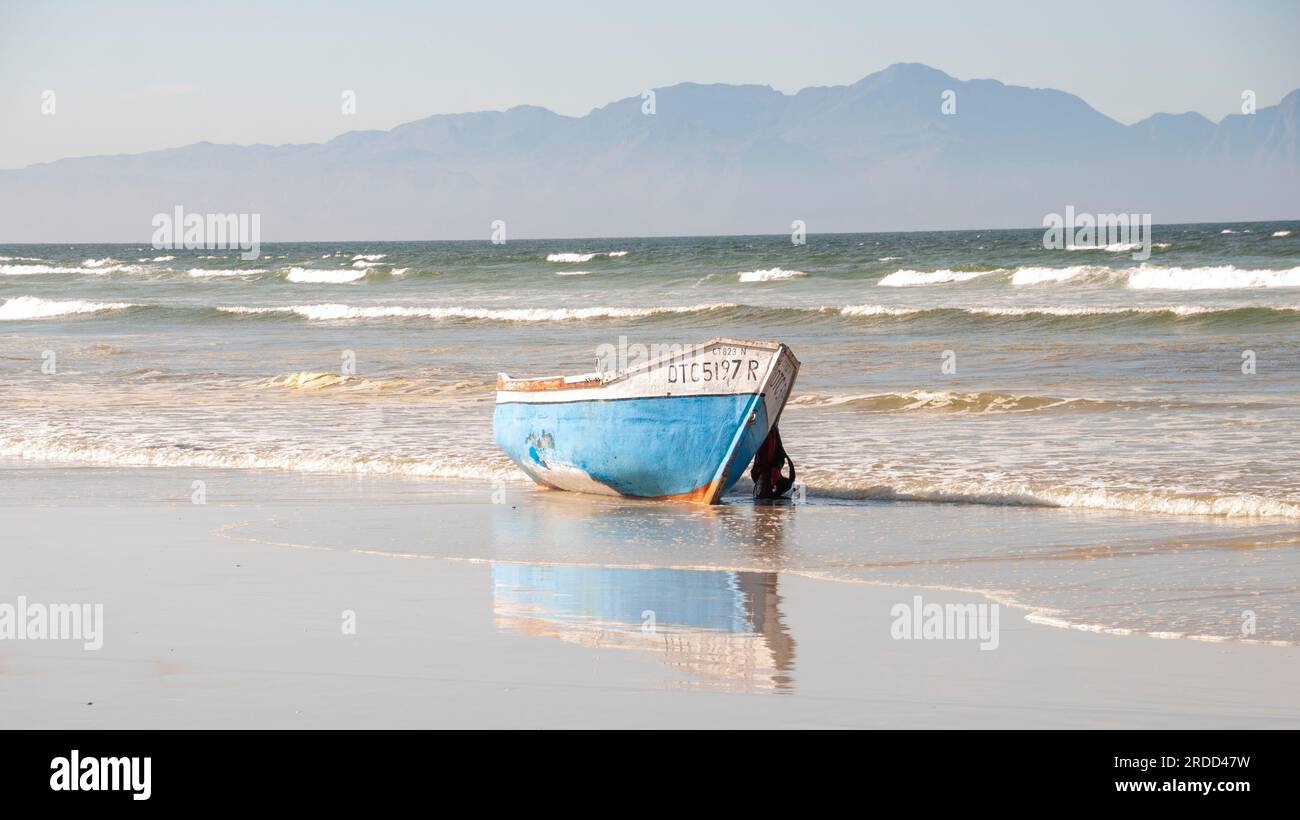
(545, 611)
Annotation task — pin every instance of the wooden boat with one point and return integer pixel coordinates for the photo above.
(680, 427)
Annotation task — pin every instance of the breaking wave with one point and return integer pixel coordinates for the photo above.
(1024, 494)
(1038, 276)
(1224, 277)
(34, 270)
(1143, 277)
(326, 277)
(582, 257)
(202, 273)
(944, 401)
(336, 312)
(912, 278)
(875, 310)
(30, 307)
(769, 275)
(85, 449)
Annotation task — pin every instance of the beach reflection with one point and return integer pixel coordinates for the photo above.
(717, 628)
(692, 585)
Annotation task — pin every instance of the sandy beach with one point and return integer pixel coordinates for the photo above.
(289, 600)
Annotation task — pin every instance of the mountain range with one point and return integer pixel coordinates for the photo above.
(880, 154)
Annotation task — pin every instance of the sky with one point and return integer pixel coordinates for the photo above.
(129, 77)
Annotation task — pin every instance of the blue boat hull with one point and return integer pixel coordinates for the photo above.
(647, 447)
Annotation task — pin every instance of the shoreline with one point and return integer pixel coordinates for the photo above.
(206, 629)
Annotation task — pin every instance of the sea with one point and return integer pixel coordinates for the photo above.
(943, 371)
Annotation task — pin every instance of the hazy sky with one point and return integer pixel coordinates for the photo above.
(131, 77)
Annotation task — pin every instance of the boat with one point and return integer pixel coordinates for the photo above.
(678, 427)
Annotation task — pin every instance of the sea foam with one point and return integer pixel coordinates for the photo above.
(769, 275)
(338, 312)
(1224, 277)
(326, 277)
(912, 278)
(23, 308)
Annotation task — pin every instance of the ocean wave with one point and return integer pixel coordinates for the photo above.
(325, 277)
(309, 381)
(102, 267)
(769, 275)
(912, 278)
(83, 449)
(100, 263)
(337, 312)
(1026, 494)
(1038, 276)
(23, 308)
(581, 257)
(1114, 247)
(944, 401)
(1143, 277)
(873, 310)
(1223, 277)
(1172, 310)
(1279, 234)
(368, 257)
(201, 273)
(36, 270)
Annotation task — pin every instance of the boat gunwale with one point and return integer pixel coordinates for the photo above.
(505, 383)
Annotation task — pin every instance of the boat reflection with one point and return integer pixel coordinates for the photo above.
(715, 627)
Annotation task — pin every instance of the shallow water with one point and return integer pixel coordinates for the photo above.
(1080, 379)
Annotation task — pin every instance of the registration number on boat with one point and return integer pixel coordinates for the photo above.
(710, 371)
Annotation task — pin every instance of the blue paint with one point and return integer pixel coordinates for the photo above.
(644, 447)
(613, 596)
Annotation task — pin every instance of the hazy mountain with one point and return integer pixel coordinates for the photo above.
(879, 154)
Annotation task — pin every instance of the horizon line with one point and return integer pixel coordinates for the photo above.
(653, 236)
